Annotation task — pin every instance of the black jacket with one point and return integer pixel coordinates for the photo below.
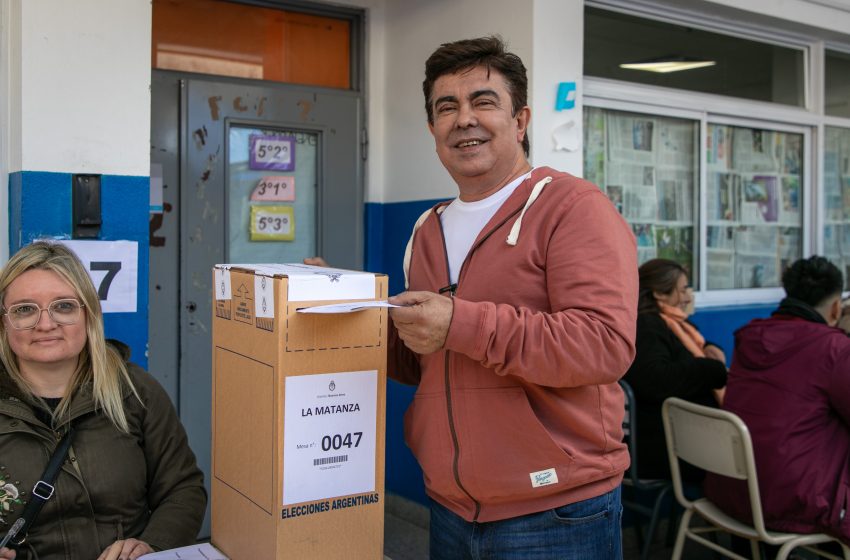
(144, 484)
(663, 368)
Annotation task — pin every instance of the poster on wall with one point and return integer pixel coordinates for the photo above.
(329, 435)
(113, 267)
(272, 152)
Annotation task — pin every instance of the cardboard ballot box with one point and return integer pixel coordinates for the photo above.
(298, 414)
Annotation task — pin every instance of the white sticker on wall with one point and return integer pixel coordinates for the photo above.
(114, 268)
(329, 431)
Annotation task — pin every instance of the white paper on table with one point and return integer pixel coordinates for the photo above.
(329, 435)
(346, 307)
(203, 551)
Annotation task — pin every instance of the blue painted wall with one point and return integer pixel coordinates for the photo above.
(718, 325)
(40, 205)
(388, 227)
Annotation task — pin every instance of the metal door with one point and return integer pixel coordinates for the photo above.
(225, 210)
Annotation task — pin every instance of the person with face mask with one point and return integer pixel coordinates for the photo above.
(672, 360)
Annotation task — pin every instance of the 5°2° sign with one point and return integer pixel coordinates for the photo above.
(272, 152)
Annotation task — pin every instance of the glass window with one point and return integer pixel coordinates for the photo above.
(836, 231)
(837, 84)
(229, 39)
(753, 198)
(649, 167)
(271, 194)
(729, 66)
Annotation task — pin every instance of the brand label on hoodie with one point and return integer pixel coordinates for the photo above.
(543, 478)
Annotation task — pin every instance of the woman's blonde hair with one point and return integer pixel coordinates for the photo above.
(99, 364)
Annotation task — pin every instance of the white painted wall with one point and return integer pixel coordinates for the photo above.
(414, 29)
(376, 90)
(10, 103)
(558, 39)
(85, 86)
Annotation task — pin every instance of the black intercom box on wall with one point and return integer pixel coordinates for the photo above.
(86, 209)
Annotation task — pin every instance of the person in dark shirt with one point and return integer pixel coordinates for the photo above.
(672, 360)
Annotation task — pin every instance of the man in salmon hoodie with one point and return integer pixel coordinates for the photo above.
(519, 320)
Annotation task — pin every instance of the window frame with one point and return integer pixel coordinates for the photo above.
(714, 23)
(809, 120)
(703, 296)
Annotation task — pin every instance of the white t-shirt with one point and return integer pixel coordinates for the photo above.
(463, 221)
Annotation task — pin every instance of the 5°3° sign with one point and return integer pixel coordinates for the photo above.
(272, 223)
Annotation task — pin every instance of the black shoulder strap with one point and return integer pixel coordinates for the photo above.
(43, 489)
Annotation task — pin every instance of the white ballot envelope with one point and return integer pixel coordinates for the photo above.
(203, 551)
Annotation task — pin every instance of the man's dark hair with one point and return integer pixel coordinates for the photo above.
(812, 280)
(487, 52)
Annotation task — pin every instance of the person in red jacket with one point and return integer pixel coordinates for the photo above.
(790, 384)
(518, 322)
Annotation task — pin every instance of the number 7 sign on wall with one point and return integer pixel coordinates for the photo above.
(114, 268)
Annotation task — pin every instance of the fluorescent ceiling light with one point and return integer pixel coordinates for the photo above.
(666, 64)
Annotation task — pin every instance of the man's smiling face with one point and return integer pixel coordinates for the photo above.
(478, 139)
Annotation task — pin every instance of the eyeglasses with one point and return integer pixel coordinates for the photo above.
(24, 316)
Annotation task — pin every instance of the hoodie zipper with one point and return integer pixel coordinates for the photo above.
(452, 288)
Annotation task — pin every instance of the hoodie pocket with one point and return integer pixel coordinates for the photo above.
(506, 453)
(426, 432)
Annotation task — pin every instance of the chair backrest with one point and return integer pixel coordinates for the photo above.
(714, 440)
(630, 431)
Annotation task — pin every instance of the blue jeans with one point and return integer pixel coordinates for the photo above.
(588, 530)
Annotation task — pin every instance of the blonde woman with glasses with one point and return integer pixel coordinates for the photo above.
(125, 482)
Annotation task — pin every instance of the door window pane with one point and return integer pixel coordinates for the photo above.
(735, 67)
(271, 201)
(754, 205)
(648, 167)
(229, 39)
(837, 84)
(836, 232)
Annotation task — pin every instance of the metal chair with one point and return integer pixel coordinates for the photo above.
(719, 442)
(661, 488)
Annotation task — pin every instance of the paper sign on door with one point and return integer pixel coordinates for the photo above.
(274, 189)
(272, 223)
(272, 152)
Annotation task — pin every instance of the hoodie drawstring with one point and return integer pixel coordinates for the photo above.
(513, 236)
(408, 250)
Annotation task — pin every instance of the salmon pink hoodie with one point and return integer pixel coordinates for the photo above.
(521, 411)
